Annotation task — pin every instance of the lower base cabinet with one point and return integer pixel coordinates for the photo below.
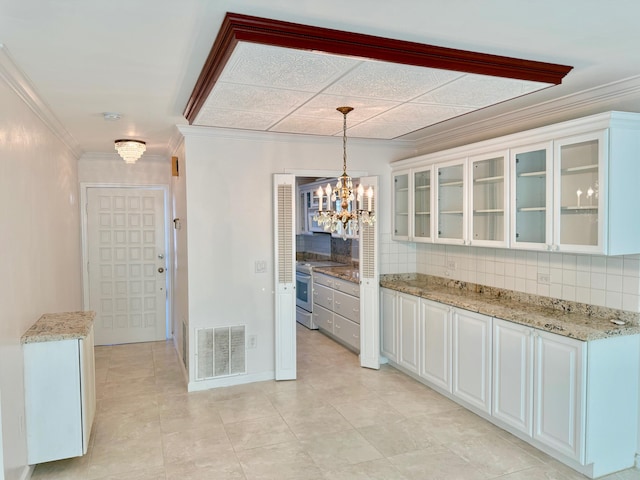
(336, 309)
(575, 400)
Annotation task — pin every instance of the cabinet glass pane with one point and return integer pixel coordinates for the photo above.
(401, 205)
(422, 203)
(579, 193)
(488, 199)
(531, 196)
(451, 202)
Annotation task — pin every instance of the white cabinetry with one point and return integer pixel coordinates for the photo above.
(336, 308)
(569, 189)
(389, 328)
(60, 398)
(408, 326)
(435, 343)
(559, 394)
(472, 358)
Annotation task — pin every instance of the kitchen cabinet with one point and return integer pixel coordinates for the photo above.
(513, 375)
(489, 200)
(564, 187)
(336, 308)
(60, 397)
(408, 336)
(435, 343)
(532, 196)
(389, 327)
(400, 205)
(577, 401)
(451, 202)
(421, 227)
(471, 360)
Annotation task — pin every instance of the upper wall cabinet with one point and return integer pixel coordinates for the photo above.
(567, 187)
(401, 205)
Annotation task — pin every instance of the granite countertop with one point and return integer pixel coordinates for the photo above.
(571, 319)
(60, 326)
(349, 273)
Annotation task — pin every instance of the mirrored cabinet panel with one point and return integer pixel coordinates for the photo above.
(532, 196)
(489, 201)
(579, 195)
(422, 191)
(401, 206)
(451, 197)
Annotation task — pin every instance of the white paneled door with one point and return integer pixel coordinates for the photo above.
(127, 264)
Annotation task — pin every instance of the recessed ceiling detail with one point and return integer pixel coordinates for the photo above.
(276, 76)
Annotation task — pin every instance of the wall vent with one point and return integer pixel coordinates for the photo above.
(220, 352)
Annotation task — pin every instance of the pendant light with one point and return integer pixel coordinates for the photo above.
(345, 206)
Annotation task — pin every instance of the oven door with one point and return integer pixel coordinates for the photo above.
(304, 295)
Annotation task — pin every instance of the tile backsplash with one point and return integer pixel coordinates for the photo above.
(612, 282)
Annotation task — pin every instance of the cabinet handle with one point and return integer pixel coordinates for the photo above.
(337, 326)
(337, 303)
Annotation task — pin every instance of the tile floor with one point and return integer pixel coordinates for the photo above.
(337, 421)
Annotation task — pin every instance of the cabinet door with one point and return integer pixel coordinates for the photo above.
(489, 219)
(347, 331)
(408, 331)
(451, 201)
(472, 358)
(323, 296)
(389, 331)
(560, 391)
(532, 197)
(580, 191)
(87, 386)
(435, 343)
(401, 205)
(422, 200)
(513, 375)
(323, 318)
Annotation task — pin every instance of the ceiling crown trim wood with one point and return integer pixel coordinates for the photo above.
(236, 27)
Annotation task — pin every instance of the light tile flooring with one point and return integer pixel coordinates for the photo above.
(337, 421)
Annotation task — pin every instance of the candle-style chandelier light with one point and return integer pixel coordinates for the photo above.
(344, 207)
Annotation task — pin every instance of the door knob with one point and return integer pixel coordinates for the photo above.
(160, 270)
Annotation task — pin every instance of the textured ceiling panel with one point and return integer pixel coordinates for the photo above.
(254, 64)
(479, 91)
(389, 81)
(295, 91)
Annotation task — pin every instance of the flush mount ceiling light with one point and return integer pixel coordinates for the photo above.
(130, 150)
(345, 207)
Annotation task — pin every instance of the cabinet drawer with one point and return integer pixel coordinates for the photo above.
(321, 279)
(346, 287)
(323, 296)
(347, 331)
(323, 318)
(347, 306)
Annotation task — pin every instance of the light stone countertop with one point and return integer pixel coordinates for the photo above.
(571, 319)
(52, 327)
(345, 272)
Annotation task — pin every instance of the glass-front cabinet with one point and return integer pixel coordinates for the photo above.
(532, 196)
(422, 227)
(578, 204)
(401, 205)
(489, 200)
(451, 201)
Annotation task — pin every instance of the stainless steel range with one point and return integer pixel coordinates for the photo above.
(304, 290)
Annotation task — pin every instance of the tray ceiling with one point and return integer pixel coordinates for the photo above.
(264, 84)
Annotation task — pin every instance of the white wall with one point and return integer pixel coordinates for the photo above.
(111, 169)
(229, 204)
(40, 244)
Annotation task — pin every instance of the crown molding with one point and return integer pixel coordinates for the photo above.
(593, 100)
(18, 81)
(175, 141)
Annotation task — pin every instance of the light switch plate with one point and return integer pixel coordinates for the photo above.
(261, 266)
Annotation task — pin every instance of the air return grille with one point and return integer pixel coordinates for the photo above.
(220, 352)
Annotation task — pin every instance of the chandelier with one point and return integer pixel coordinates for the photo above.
(130, 150)
(345, 208)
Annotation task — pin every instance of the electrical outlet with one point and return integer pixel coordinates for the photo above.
(544, 278)
(451, 265)
(253, 341)
(261, 266)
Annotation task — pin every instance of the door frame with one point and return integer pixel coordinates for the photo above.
(320, 174)
(84, 187)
